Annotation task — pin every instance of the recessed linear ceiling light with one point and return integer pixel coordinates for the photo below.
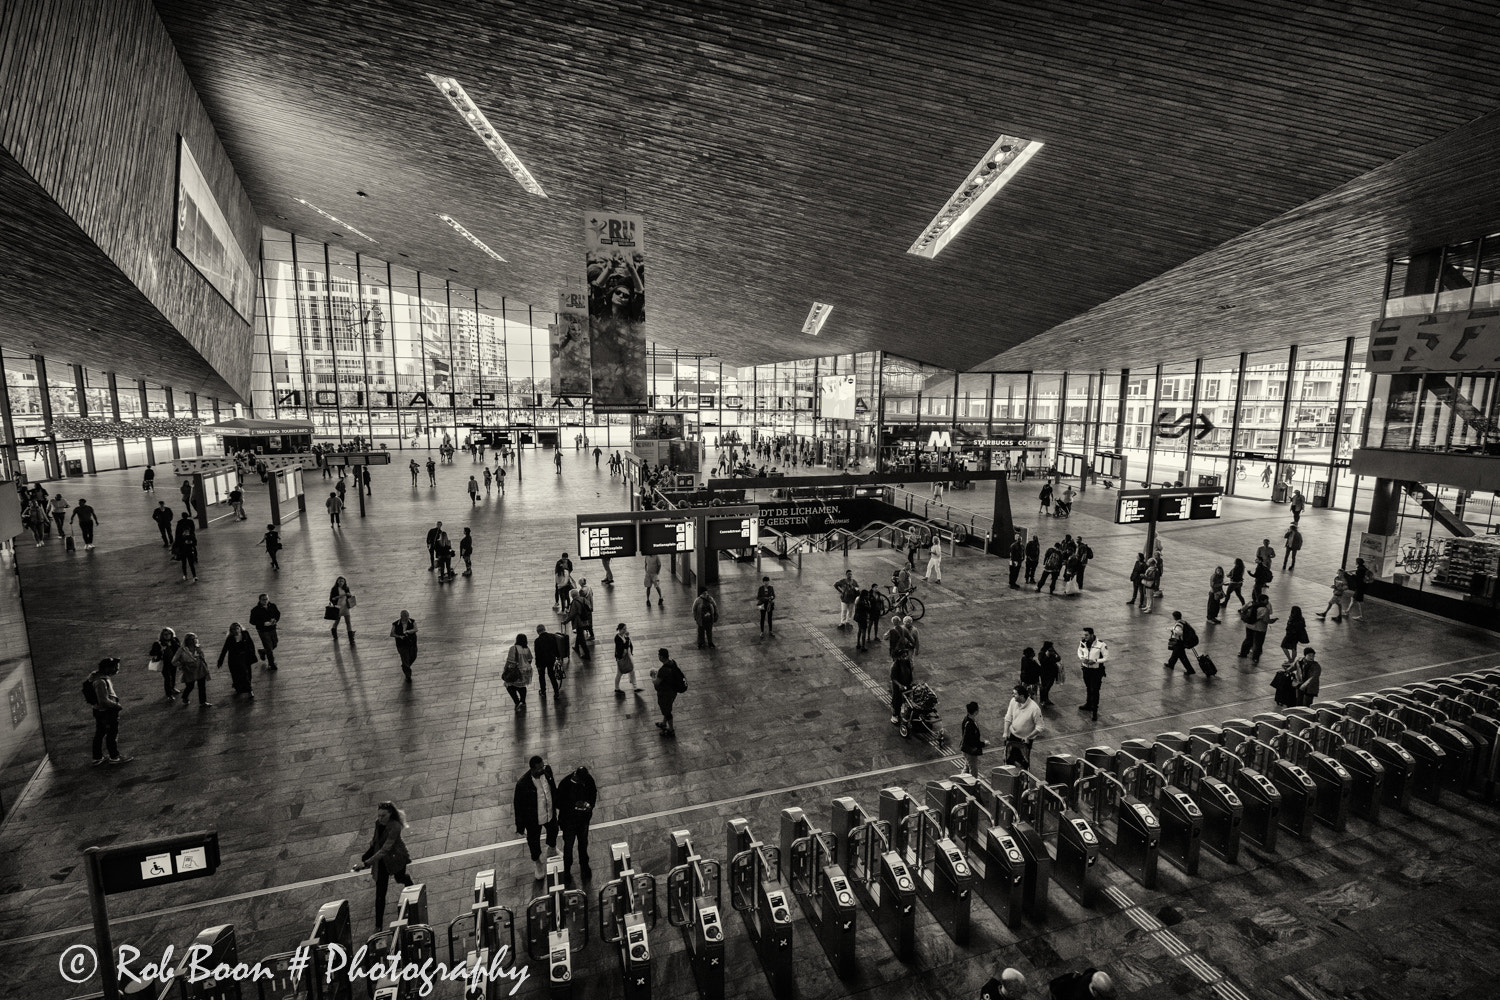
(1007, 156)
(460, 230)
(461, 102)
(816, 317)
(334, 218)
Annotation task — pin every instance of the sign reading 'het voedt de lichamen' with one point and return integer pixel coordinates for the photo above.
(813, 517)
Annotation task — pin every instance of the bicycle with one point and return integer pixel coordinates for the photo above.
(905, 605)
(1418, 559)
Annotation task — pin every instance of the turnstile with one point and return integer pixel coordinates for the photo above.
(557, 927)
(821, 888)
(694, 904)
(221, 948)
(1001, 869)
(1068, 840)
(1180, 757)
(1129, 834)
(758, 893)
(484, 939)
(627, 912)
(1366, 774)
(884, 886)
(1180, 840)
(1260, 800)
(1295, 786)
(313, 971)
(1333, 785)
(944, 879)
(409, 937)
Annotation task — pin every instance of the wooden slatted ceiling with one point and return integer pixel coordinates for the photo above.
(92, 100)
(786, 153)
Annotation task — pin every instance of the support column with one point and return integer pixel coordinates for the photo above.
(1234, 426)
(44, 393)
(140, 388)
(8, 442)
(1338, 420)
(1151, 430)
(172, 415)
(114, 409)
(83, 411)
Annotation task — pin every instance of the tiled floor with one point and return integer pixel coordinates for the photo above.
(291, 779)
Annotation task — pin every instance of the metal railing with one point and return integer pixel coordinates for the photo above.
(945, 514)
(880, 532)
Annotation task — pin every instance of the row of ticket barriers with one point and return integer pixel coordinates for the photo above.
(1007, 838)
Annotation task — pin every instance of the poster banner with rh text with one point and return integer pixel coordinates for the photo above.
(569, 338)
(615, 248)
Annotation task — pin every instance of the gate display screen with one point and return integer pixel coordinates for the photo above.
(734, 533)
(1134, 508)
(608, 540)
(1174, 507)
(665, 537)
(1207, 506)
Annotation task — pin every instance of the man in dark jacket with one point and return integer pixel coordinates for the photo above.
(536, 810)
(432, 539)
(765, 600)
(1017, 554)
(669, 682)
(1033, 556)
(576, 797)
(544, 649)
(264, 618)
(162, 515)
(705, 613)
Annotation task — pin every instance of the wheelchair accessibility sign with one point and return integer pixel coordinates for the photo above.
(156, 866)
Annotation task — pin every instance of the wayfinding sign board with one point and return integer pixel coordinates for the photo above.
(1185, 504)
(734, 533)
(664, 537)
(159, 862)
(1134, 507)
(606, 540)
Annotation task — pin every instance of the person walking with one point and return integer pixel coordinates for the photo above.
(653, 571)
(185, 546)
(670, 683)
(1050, 661)
(1181, 639)
(162, 515)
(1051, 565)
(264, 618)
(1311, 672)
(935, 561)
(237, 503)
(342, 600)
(1336, 600)
(1299, 503)
(1023, 724)
(1262, 575)
(577, 795)
(624, 659)
(1293, 539)
(500, 478)
(1031, 669)
(1084, 555)
(192, 668)
(335, 509)
(106, 706)
(547, 649)
(58, 506)
(186, 489)
(473, 493)
(765, 602)
(416, 470)
(432, 539)
(1266, 553)
(404, 632)
(386, 857)
(1137, 574)
(239, 650)
(164, 656)
(148, 480)
(866, 617)
(1017, 556)
(535, 810)
(363, 474)
(1296, 632)
(431, 471)
(516, 674)
(1216, 595)
(557, 462)
(1093, 653)
(1033, 556)
(597, 453)
(1045, 496)
(1236, 582)
(87, 519)
(272, 541)
(848, 589)
(489, 478)
(1358, 580)
(562, 584)
(583, 604)
(705, 613)
(972, 743)
(1257, 618)
(466, 551)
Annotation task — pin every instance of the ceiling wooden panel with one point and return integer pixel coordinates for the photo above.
(785, 153)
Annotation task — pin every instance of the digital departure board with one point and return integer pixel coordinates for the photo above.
(1174, 506)
(734, 533)
(607, 540)
(665, 537)
(1207, 506)
(1134, 507)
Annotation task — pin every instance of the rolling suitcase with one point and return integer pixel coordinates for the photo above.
(69, 544)
(1206, 664)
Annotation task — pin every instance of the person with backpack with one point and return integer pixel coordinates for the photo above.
(1293, 539)
(1085, 555)
(1051, 565)
(670, 682)
(1257, 618)
(1181, 639)
(99, 694)
(516, 674)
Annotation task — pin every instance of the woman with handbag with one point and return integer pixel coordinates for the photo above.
(340, 600)
(163, 657)
(1052, 671)
(239, 649)
(387, 856)
(517, 672)
(192, 667)
(624, 659)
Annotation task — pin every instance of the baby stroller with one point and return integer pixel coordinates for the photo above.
(1062, 508)
(919, 715)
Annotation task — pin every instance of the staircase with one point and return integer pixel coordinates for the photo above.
(1439, 511)
(1448, 394)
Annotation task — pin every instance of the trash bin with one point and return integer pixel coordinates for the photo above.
(74, 466)
(1209, 480)
(1282, 493)
(1320, 494)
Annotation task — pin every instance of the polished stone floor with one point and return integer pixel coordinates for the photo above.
(291, 779)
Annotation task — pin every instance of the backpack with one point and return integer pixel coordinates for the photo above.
(89, 694)
(1189, 637)
(1247, 614)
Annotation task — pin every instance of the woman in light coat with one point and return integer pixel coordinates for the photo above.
(342, 598)
(518, 671)
(192, 667)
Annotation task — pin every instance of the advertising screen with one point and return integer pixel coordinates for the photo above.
(734, 533)
(1133, 508)
(609, 540)
(665, 537)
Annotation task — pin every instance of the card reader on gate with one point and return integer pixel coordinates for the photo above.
(780, 912)
(1086, 833)
(841, 890)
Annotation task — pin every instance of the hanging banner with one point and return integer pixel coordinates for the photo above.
(837, 397)
(615, 249)
(569, 338)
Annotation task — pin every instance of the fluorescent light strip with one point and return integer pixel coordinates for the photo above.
(1005, 158)
(334, 218)
(459, 228)
(816, 317)
(476, 120)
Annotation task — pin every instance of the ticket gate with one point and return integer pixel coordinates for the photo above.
(757, 891)
(484, 940)
(694, 904)
(330, 927)
(222, 949)
(1181, 836)
(557, 927)
(1258, 795)
(1366, 774)
(821, 887)
(1332, 783)
(944, 879)
(1427, 759)
(1458, 753)
(1401, 767)
(1070, 842)
(1297, 789)
(1128, 832)
(1480, 730)
(1001, 870)
(408, 936)
(884, 886)
(1177, 754)
(627, 912)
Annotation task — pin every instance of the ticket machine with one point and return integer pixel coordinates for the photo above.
(409, 936)
(865, 850)
(821, 887)
(1000, 867)
(557, 927)
(757, 891)
(944, 879)
(484, 939)
(694, 904)
(1128, 831)
(330, 927)
(627, 912)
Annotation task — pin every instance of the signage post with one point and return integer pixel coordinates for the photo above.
(1151, 506)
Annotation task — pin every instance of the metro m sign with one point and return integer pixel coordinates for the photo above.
(940, 439)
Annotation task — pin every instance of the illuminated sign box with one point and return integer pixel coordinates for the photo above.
(1207, 505)
(734, 533)
(1133, 507)
(665, 537)
(1174, 507)
(606, 540)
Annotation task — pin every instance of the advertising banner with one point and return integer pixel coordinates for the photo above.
(615, 250)
(1446, 342)
(813, 517)
(569, 338)
(836, 394)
